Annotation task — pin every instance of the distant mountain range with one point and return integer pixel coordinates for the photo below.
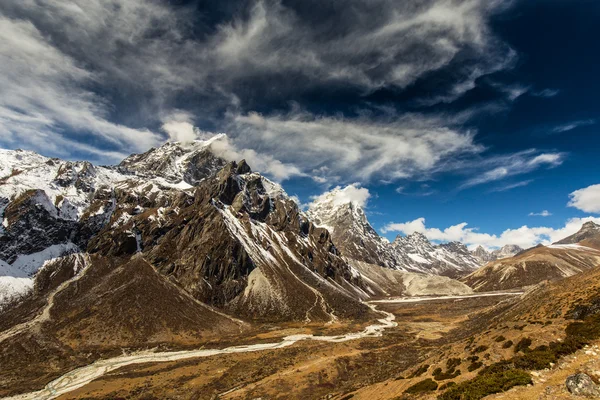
(483, 256)
(357, 240)
(564, 258)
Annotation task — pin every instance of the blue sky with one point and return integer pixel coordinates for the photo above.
(477, 112)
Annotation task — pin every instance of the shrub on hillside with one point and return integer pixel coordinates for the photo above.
(426, 385)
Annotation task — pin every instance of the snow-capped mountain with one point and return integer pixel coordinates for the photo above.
(352, 232)
(176, 162)
(50, 207)
(357, 240)
(227, 236)
(506, 251)
(449, 259)
(589, 234)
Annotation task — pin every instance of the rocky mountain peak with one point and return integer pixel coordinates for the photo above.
(590, 225)
(176, 162)
(589, 231)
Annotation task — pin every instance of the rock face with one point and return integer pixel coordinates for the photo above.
(175, 162)
(228, 237)
(589, 235)
(535, 265)
(449, 259)
(582, 385)
(483, 256)
(357, 240)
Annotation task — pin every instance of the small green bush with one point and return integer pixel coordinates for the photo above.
(474, 365)
(500, 339)
(507, 345)
(523, 345)
(427, 385)
(536, 359)
(480, 349)
(442, 376)
(453, 363)
(486, 384)
(420, 371)
(447, 385)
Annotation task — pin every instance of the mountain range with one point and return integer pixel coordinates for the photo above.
(231, 238)
(179, 247)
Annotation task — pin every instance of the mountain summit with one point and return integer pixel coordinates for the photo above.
(356, 238)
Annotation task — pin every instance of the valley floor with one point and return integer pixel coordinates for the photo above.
(335, 367)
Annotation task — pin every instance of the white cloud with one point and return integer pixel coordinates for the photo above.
(353, 193)
(511, 186)
(573, 125)
(355, 149)
(147, 54)
(179, 126)
(512, 91)
(44, 94)
(501, 167)
(544, 213)
(586, 199)
(377, 46)
(524, 236)
(261, 162)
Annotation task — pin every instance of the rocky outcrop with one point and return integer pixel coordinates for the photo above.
(483, 256)
(239, 243)
(582, 385)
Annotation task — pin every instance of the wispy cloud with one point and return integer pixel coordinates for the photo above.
(545, 93)
(356, 149)
(423, 190)
(511, 186)
(544, 213)
(103, 74)
(44, 94)
(502, 167)
(573, 125)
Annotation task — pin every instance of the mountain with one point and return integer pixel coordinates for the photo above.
(565, 258)
(483, 256)
(506, 251)
(357, 240)
(589, 235)
(227, 236)
(352, 232)
(448, 259)
(174, 247)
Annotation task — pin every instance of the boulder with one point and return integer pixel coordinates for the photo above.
(582, 385)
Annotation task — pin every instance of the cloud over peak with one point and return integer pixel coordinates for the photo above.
(352, 193)
(356, 149)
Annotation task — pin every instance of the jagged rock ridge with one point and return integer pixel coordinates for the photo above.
(357, 240)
